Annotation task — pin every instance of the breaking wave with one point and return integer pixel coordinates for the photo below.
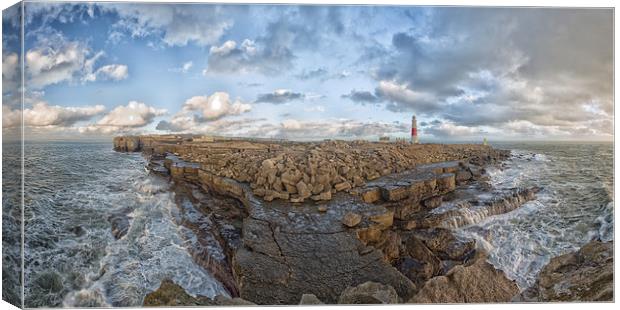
(574, 206)
(72, 258)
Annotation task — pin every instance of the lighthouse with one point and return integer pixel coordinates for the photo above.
(414, 131)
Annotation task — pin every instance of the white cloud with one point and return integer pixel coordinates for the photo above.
(184, 68)
(46, 65)
(42, 114)
(177, 25)
(10, 71)
(224, 49)
(114, 72)
(216, 106)
(210, 110)
(134, 114)
(54, 60)
(401, 94)
(247, 57)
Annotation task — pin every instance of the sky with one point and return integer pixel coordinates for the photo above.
(94, 70)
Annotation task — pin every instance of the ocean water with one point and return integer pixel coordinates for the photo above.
(574, 206)
(72, 258)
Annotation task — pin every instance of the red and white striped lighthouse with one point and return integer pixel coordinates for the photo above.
(414, 131)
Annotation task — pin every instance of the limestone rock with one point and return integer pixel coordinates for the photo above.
(476, 283)
(236, 301)
(171, 295)
(584, 275)
(303, 190)
(351, 219)
(369, 293)
(342, 186)
(310, 299)
(322, 196)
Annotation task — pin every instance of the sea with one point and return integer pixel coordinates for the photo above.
(73, 260)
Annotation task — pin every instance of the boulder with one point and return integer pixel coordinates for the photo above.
(383, 220)
(172, 295)
(586, 275)
(425, 265)
(371, 195)
(310, 299)
(478, 282)
(322, 196)
(120, 225)
(303, 190)
(342, 186)
(351, 219)
(369, 293)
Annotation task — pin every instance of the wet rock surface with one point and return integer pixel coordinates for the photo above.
(170, 294)
(284, 222)
(584, 275)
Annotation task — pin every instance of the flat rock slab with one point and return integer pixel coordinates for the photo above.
(422, 182)
(291, 251)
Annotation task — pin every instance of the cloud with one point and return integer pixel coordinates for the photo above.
(42, 114)
(198, 110)
(362, 97)
(246, 57)
(184, 68)
(216, 106)
(398, 98)
(294, 30)
(54, 60)
(312, 74)
(457, 65)
(10, 72)
(405, 99)
(134, 114)
(113, 72)
(337, 128)
(452, 131)
(173, 25)
(279, 96)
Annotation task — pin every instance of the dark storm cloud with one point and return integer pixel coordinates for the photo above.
(548, 67)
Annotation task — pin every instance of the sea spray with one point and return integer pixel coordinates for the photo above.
(573, 207)
(72, 189)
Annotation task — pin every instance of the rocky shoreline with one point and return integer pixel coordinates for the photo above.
(280, 222)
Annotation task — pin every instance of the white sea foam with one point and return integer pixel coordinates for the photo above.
(572, 209)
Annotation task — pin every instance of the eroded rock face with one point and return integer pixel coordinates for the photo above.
(474, 283)
(585, 275)
(369, 293)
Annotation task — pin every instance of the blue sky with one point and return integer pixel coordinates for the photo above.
(311, 72)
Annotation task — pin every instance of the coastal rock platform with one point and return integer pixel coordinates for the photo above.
(282, 220)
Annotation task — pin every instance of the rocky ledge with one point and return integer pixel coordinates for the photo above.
(281, 222)
(585, 275)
